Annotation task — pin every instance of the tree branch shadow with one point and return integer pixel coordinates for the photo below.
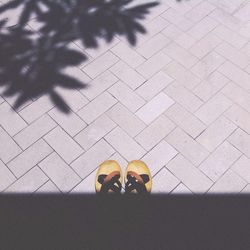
(32, 63)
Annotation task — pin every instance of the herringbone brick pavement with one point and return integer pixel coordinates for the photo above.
(179, 100)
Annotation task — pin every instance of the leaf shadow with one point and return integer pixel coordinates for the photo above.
(32, 63)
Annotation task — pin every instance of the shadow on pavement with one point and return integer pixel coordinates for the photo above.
(32, 63)
(124, 222)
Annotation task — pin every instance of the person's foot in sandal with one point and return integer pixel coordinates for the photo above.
(137, 178)
(108, 178)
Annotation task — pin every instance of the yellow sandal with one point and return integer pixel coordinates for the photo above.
(108, 178)
(137, 178)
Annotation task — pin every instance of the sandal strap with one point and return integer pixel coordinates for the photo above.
(135, 182)
(108, 182)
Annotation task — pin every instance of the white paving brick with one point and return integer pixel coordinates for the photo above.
(192, 177)
(181, 189)
(154, 108)
(159, 156)
(173, 16)
(185, 40)
(246, 190)
(126, 96)
(229, 183)
(127, 75)
(209, 87)
(185, 120)
(84, 63)
(241, 140)
(154, 85)
(208, 65)
(153, 27)
(240, 117)
(97, 107)
(205, 45)
(184, 77)
(237, 95)
(95, 131)
(99, 85)
(100, 64)
(226, 19)
(87, 186)
(185, 144)
(155, 132)
(48, 187)
(246, 47)
(6, 177)
(77, 73)
(181, 55)
(34, 24)
(153, 65)
(71, 123)
(8, 148)
(11, 100)
(200, 11)
(11, 16)
(180, 8)
(29, 158)
(63, 144)
(243, 13)
(194, 3)
(102, 47)
(242, 168)
(126, 119)
(213, 109)
(183, 96)
(244, 30)
(73, 98)
(128, 55)
(35, 131)
(59, 172)
(220, 161)
(233, 55)
(36, 109)
(10, 120)
(125, 145)
(29, 183)
(215, 134)
(164, 182)
(247, 69)
(90, 160)
(230, 36)
(121, 161)
(202, 28)
(229, 7)
(172, 32)
(235, 74)
(153, 45)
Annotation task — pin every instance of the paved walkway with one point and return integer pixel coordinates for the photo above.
(179, 100)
